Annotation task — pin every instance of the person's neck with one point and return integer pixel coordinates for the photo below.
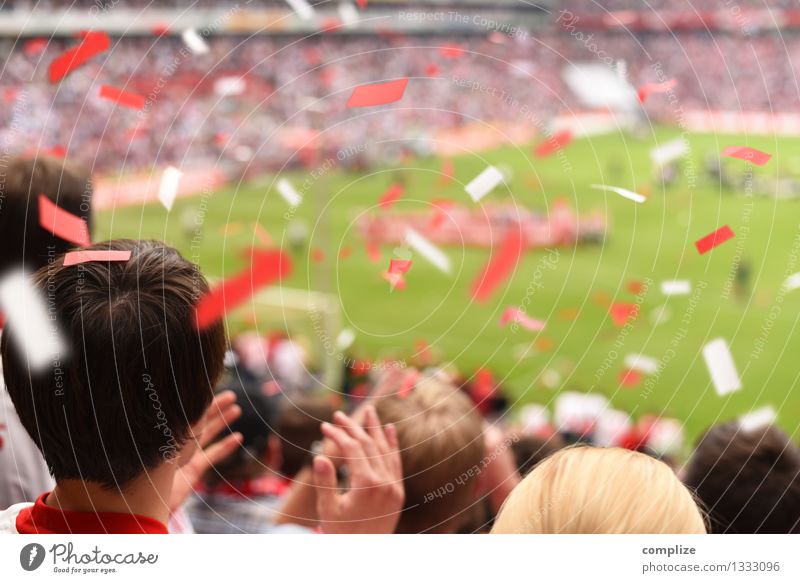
(147, 495)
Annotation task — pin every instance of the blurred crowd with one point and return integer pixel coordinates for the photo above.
(289, 107)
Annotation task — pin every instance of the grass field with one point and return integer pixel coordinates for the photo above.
(653, 240)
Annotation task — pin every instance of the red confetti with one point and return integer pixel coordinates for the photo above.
(432, 70)
(630, 377)
(121, 97)
(34, 46)
(61, 223)
(57, 151)
(650, 88)
(76, 257)
(757, 157)
(93, 44)
(399, 265)
(448, 172)
(441, 207)
(373, 251)
(391, 196)
(345, 253)
(451, 51)
(266, 267)
(516, 315)
(378, 93)
(317, 255)
(330, 24)
(635, 287)
(160, 29)
(499, 267)
(621, 313)
(362, 3)
(718, 237)
(553, 144)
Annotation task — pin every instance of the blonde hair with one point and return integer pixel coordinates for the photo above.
(441, 445)
(589, 490)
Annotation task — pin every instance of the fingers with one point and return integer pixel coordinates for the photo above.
(351, 450)
(220, 414)
(356, 432)
(394, 460)
(327, 488)
(222, 449)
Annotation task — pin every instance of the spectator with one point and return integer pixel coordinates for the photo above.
(298, 429)
(242, 493)
(530, 450)
(748, 481)
(441, 441)
(588, 490)
(129, 410)
(23, 473)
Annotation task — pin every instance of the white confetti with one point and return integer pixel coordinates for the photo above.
(195, 42)
(302, 8)
(168, 189)
(642, 363)
(635, 197)
(484, 183)
(792, 282)
(676, 287)
(288, 192)
(348, 14)
(721, 367)
(28, 320)
(666, 153)
(758, 419)
(428, 250)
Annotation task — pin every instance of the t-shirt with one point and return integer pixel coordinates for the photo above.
(23, 473)
(39, 518)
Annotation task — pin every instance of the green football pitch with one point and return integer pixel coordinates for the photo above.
(581, 349)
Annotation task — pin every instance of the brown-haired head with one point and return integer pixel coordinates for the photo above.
(441, 445)
(24, 242)
(748, 481)
(138, 374)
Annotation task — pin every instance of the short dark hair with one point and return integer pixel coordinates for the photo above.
(138, 373)
(748, 481)
(529, 450)
(298, 429)
(24, 242)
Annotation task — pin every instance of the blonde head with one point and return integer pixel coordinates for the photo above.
(588, 490)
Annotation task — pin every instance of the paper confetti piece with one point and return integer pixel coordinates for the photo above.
(621, 313)
(348, 14)
(428, 250)
(672, 150)
(714, 239)
(676, 287)
(302, 8)
(121, 97)
(378, 93)
(452, 51)
(440, 213)
(195, 42)
(792, 282)
(288, 192)
(484, 183)
(721, 367)
(399, 265)
(34, 46)
(391, 196)
(650, 88)
(553, 144)
(758, 419)
(635, 197)
(641, 363)
(630, 378)
(230, 86)
(27, 317)
(76, 257)
(266, 267)
(93, 44)
(168, 189)
(516, 315)
(373, 251)
(757, 157)
(62, 224)
(500, 266)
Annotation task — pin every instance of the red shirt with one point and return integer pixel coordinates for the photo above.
(43, 519)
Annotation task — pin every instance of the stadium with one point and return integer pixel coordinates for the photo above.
(578, 214)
